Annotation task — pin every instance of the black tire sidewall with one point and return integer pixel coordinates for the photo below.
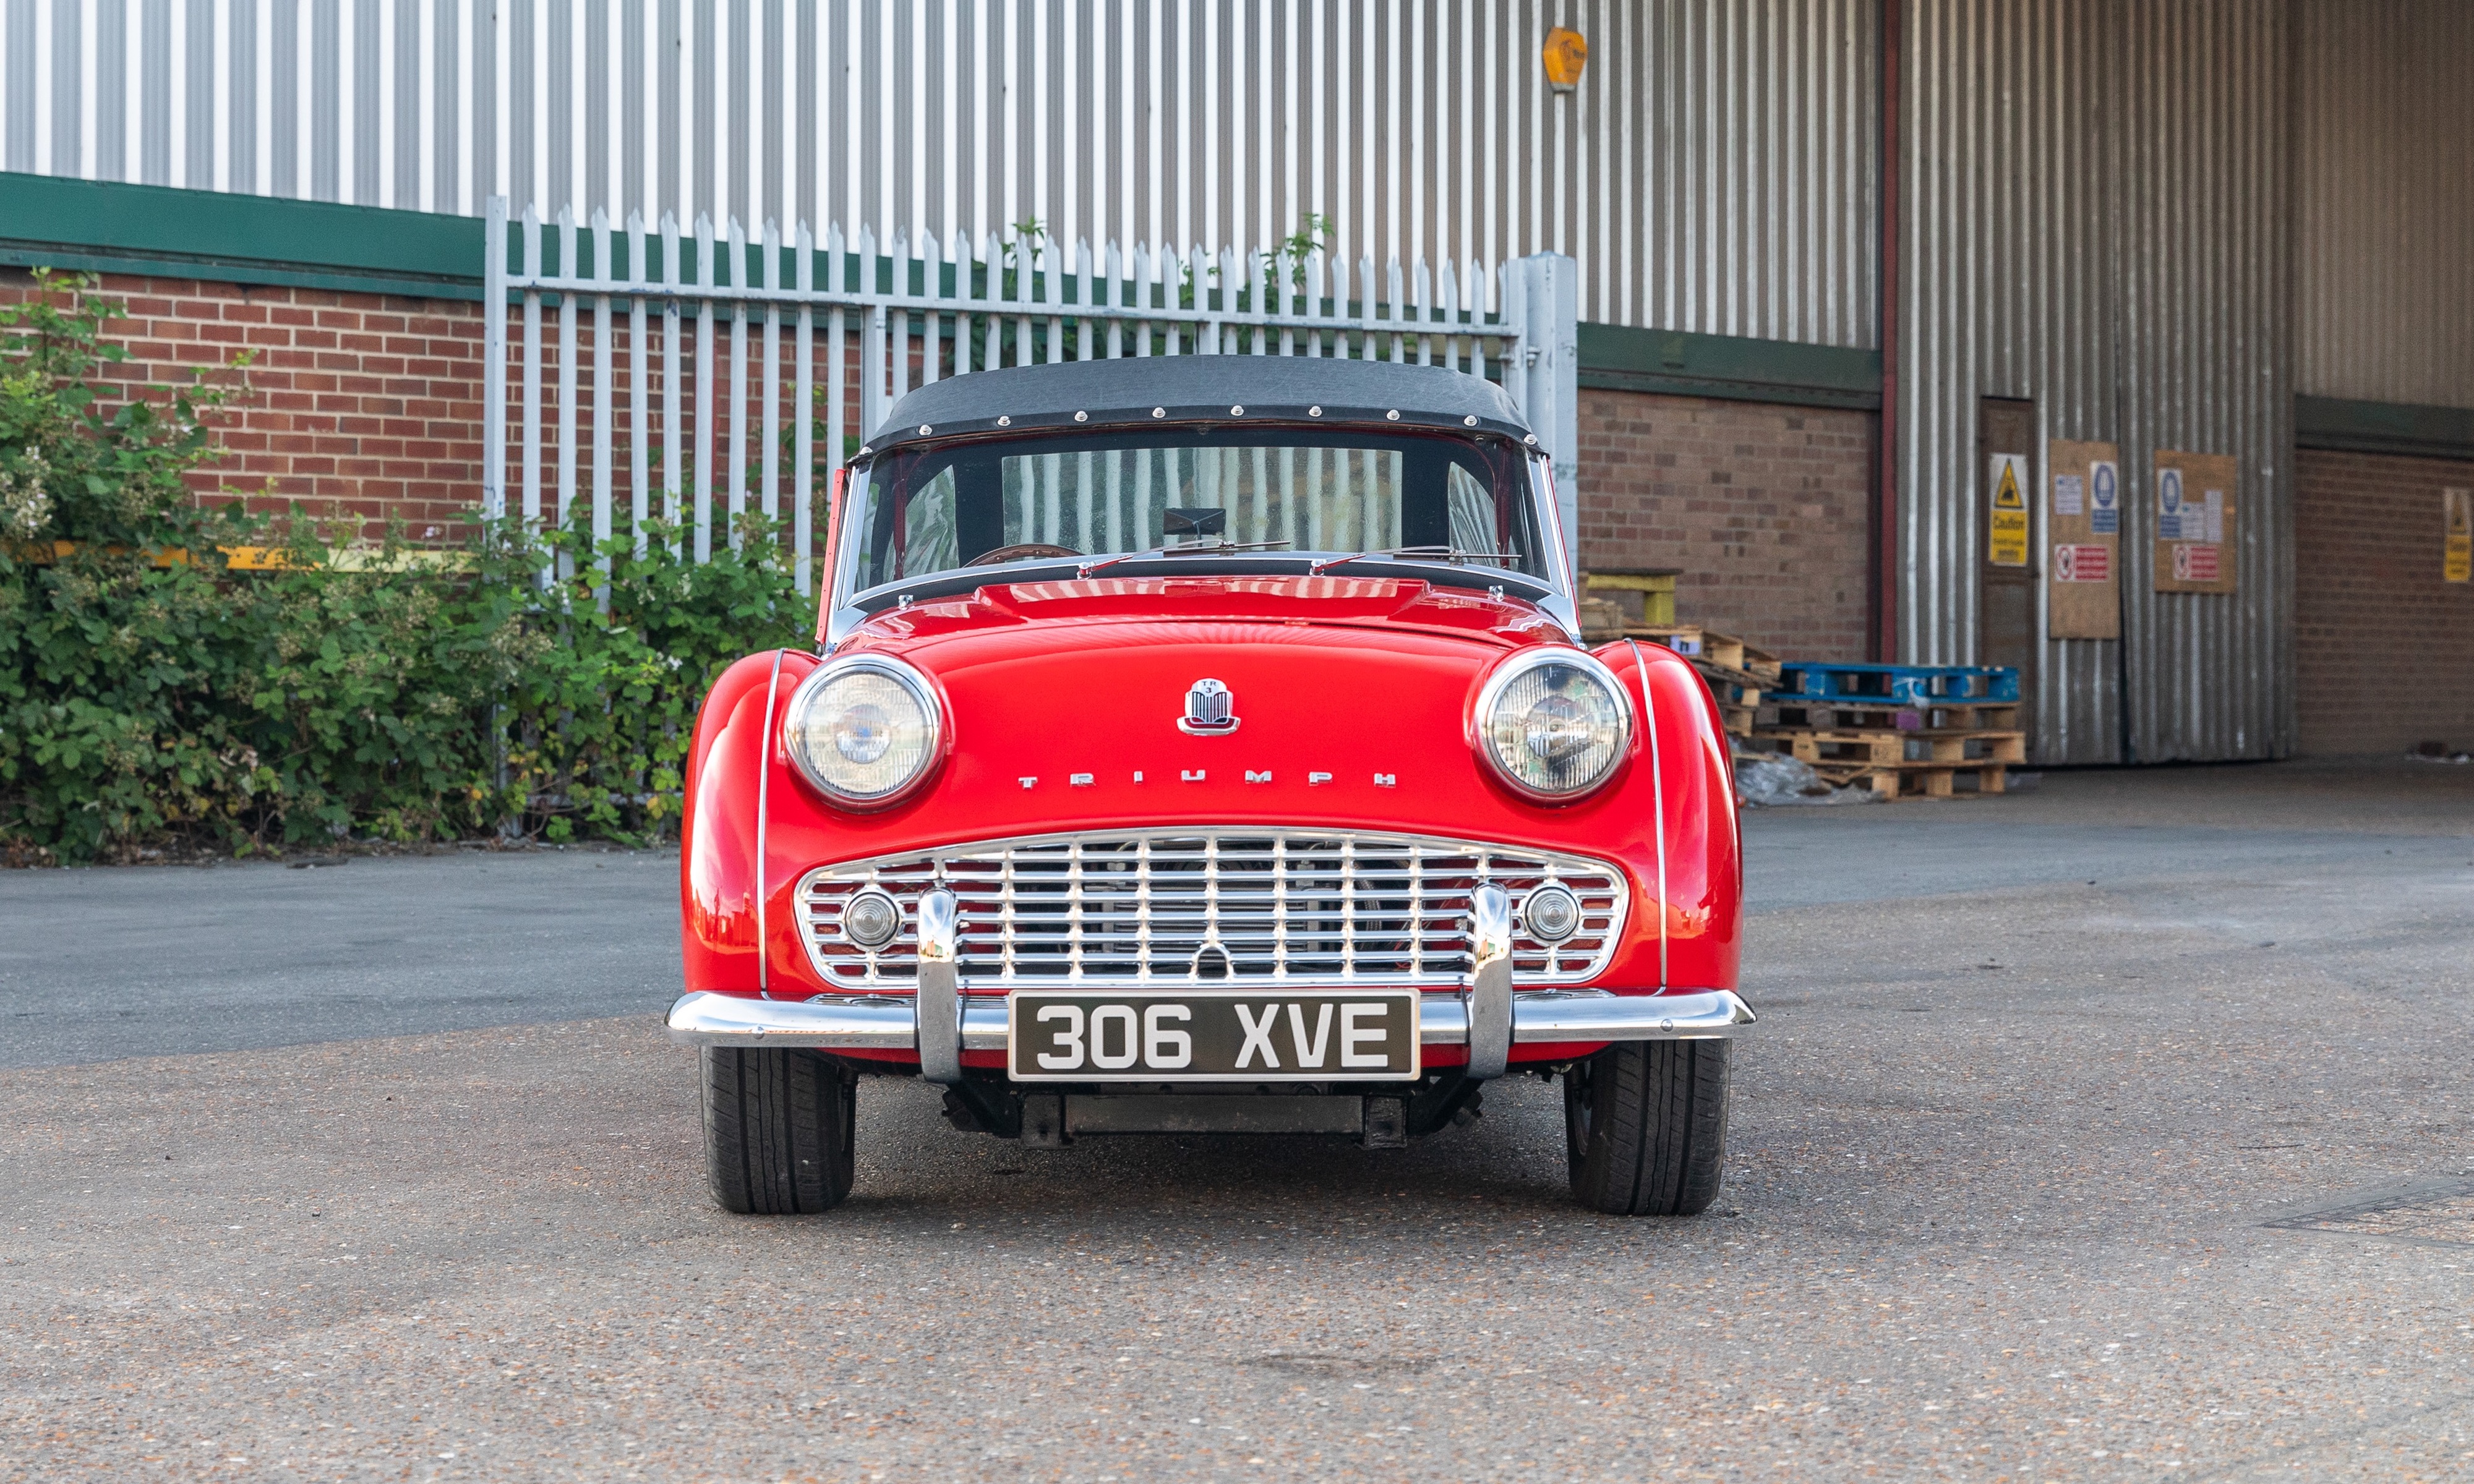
(1645, 1127)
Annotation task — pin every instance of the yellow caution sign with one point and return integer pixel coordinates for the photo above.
(2008, 525)
(2457, 565)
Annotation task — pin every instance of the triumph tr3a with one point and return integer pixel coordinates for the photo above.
(1205, 745)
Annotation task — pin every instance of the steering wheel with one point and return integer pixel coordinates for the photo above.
(1020, 550)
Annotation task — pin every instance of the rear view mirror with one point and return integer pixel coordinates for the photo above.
(1193, 522)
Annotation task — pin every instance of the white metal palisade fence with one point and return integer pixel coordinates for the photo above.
(696, 325)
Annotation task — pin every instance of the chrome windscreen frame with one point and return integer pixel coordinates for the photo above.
(842, 613)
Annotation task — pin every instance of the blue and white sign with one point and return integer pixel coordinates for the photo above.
(2104, 499)
(2168, 505)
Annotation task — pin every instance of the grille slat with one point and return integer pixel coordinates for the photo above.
(1139, 906)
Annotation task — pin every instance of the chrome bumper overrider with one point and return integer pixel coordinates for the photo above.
(887, 1022)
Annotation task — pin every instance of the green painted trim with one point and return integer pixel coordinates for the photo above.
(1676, 362)
(107, 226)
(2384, 427)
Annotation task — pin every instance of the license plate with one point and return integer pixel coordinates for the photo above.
(1212, 1036)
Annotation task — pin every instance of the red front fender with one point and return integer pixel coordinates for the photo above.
(719, 875)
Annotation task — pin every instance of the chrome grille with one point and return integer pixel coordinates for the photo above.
(1196, 906)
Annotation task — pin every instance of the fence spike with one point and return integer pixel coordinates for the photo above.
(803, 416)
(932, 339)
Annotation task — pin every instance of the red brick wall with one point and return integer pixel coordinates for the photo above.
(361, 406)
(1767, 509)
(2383, 649)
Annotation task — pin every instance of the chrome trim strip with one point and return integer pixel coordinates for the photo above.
(1656, 800)
(763, 790)
(1489, 980)
(886, 1022)
(939, 995)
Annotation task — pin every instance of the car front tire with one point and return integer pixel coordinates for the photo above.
(1647, 1123)
(777, 1130)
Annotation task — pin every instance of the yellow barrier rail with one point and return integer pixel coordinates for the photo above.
(272, 558)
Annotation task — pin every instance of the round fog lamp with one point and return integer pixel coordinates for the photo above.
(1551, 914)
(871, 919)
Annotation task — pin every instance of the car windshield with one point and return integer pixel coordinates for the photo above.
(1240, 493)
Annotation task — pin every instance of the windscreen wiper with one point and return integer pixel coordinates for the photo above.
(1445, 554)
(1182, 549)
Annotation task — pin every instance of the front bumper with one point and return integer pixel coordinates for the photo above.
(883, 1023)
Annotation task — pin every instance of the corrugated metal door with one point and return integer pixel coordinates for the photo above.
(2097, 206)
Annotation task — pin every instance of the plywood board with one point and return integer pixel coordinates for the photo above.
(2082, 541)
(2192, 496)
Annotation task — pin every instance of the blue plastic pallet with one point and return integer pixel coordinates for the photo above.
(1899, 684)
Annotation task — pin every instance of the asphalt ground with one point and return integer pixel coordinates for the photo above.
(2116, 1129)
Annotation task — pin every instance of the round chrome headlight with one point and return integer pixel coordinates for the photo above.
(865, 731)
(1552, 723)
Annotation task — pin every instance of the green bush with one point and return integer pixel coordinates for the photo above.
(153, 697)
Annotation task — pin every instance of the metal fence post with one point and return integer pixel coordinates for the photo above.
(494, 363)
(1551, 349)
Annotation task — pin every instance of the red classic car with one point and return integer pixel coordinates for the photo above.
(1202, 745)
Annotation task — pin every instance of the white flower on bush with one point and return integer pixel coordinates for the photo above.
(25, 505)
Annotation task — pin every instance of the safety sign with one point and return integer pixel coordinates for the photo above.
(2104, 499)
(2198, 540)
(2069, 494)
(2083, 562)
(2168, 506)
(2008, 526)
(2457, 507)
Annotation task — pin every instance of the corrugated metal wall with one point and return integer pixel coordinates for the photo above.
(1713, 172)
(2097, 200)
(2383, 183)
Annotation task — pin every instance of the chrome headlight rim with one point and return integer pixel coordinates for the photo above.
(923, 690)
(1490, 694)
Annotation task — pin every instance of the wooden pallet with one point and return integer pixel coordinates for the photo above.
(1695, 642)
(1901, 684)
(1601, 621)
(1876, 748)
(1738, 695)
(1850, 749)
(1916, 780)
(1841, 714)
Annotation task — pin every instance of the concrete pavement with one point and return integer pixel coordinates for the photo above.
(2171, 1175)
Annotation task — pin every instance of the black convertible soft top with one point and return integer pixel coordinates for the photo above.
(1189, 389)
